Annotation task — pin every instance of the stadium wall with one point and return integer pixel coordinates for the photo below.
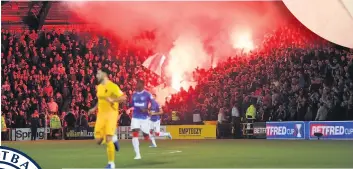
(294, 130)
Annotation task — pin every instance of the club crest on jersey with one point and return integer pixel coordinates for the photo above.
(142, 98)
(13, 159)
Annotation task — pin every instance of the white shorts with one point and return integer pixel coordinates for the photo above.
(142, 124)
(155, 126)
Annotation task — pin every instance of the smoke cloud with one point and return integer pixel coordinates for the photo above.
(194, 30)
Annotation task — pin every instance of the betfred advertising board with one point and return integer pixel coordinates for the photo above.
(332, 130)
(260, 130)
(285, 130)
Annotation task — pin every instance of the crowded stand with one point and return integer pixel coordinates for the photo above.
(53, 72)
(109, 84)
(293, 75)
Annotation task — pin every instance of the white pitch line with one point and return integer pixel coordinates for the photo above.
(172, 152)
(177, 151)
(163, 153)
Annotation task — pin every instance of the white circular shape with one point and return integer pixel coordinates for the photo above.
(330, 19)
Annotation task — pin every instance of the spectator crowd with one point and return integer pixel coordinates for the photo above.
(294, 75)
(53, 72)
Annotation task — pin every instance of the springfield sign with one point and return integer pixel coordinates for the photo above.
(24, 134)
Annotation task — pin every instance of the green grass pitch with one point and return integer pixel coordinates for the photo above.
(193, 154)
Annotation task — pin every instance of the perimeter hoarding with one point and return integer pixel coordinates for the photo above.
(260, 130)
(294, 130)
(298, 130)
(192, 131)
(24, 134)
(331, 130)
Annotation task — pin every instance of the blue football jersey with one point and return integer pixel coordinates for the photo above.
(155, 108)
(140, 101)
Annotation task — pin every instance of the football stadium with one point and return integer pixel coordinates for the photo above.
(176, 84)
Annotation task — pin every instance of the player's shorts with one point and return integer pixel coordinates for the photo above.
(155, 126)
(105, 125)
(142, 124)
